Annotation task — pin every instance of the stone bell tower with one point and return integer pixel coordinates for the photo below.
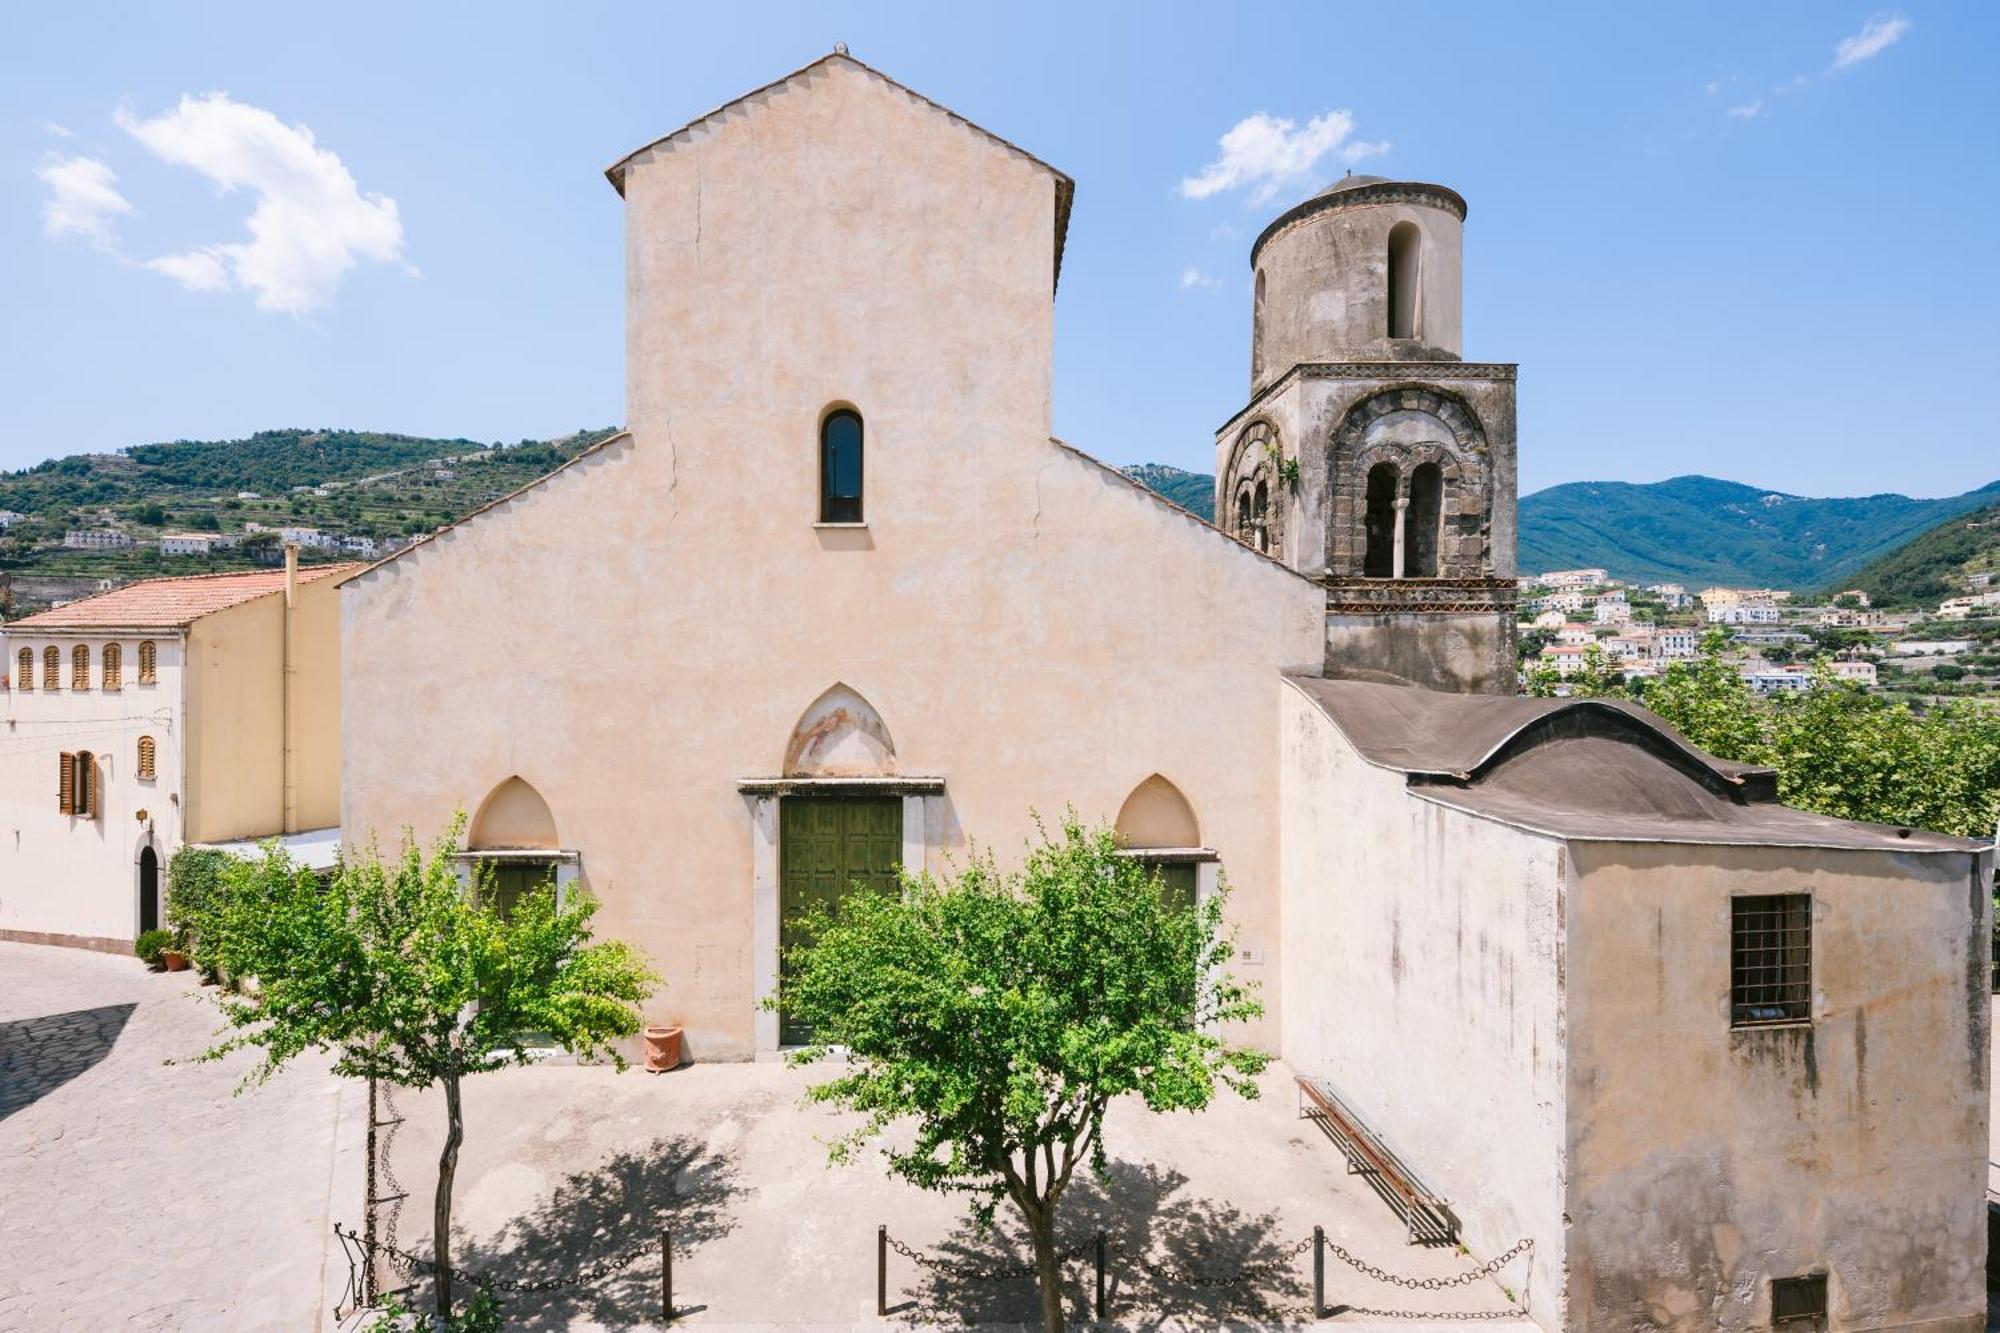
(1372, 456)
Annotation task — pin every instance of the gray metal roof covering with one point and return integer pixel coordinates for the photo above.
(1588, 769)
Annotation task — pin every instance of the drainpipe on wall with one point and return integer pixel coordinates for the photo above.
(291, 804)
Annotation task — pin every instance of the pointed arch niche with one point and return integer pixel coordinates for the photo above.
(513, 841)
(1157, 825)
(840, 803)
(840, 735)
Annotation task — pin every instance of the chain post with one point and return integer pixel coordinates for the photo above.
(666, 1276)
(882, 1272)
(1319, 1273)
(1101, 1246)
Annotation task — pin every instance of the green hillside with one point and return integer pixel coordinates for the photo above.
(352, 483)
(1937, 564)
(1192, 491)
(1698, 530)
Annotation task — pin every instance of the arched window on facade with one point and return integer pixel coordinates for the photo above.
(149, 662)
(79, 667)
(24, 673)
(1405, 256)
(114, 667)
(1243, 514)
(51, 668)
(840, 467)
(1420, 522)
(147, 753)
(1260, 516)
(1379, 558)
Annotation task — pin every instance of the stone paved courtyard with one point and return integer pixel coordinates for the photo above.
(145, 1195)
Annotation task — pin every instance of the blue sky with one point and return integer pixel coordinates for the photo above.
(1749, 241)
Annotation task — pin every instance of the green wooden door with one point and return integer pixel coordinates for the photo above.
(827, 846)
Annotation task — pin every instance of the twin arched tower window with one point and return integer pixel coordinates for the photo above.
(840, 467)
(1401, 527)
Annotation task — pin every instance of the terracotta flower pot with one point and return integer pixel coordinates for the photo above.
(173, 960)
(663, 1049)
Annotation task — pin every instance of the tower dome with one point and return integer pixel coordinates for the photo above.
(1367, 269)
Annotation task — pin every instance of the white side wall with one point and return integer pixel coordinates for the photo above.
(65, 876)
(1424, 956)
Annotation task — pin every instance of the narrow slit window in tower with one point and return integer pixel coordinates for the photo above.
(1420, 537)
(1405, 249)
(1379, 561)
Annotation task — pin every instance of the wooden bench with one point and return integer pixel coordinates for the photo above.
(1429, 1218)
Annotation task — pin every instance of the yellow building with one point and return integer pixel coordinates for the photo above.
(167, 712)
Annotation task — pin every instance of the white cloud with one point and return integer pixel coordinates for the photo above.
(1748, 111)
(83, 198)
(1194, 277)
(1223, 231)
(197, 270)
(1266, 154)
(54, 130)
(311, 223)
(1876, 36)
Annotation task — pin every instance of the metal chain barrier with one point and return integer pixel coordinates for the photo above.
(1484, 1270)
(943, 1269)
(1241, 1277)
(417, 1266)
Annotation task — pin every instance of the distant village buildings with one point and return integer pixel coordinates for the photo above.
(167, 712)
(96, 539)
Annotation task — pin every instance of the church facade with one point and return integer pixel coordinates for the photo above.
(837, 603)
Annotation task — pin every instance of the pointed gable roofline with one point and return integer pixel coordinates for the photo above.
(1065, 187)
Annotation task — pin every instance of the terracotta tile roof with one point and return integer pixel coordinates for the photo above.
(172, 601)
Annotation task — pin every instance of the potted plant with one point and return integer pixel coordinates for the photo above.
(663, 1047)
(175, 956)
(151, 946)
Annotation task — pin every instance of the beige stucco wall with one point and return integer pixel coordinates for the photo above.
(1422, 977)
(641, 632)
(77, 878)
(1705, 1161)
(237, 768)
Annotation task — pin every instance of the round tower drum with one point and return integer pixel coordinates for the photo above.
(1368, 269)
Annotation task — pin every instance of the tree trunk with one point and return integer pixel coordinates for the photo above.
(1048, 1273)
(441, 1212)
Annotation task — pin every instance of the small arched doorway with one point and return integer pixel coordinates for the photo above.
(149, 890)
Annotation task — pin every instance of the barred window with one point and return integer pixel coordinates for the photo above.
(24, 678)
(114, 667)
(51, 668)
(146, 752)
(1770, 959)
(148, 662)
(79, 667)
(1802, 1297)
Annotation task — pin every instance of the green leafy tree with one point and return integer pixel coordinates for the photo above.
(1597, 678)
(198, 881)
(403, 973)
(1002, 1013)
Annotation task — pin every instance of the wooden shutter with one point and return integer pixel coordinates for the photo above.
(51, 668)
(146, 751)
(79, 667)
(27, 681)
(148, 661)
(93, 780)
(66, 785)
(114, 667)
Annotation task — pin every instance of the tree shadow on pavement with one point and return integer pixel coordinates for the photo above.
(1170, 1256)
(600, 1216)
(39, 1055)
